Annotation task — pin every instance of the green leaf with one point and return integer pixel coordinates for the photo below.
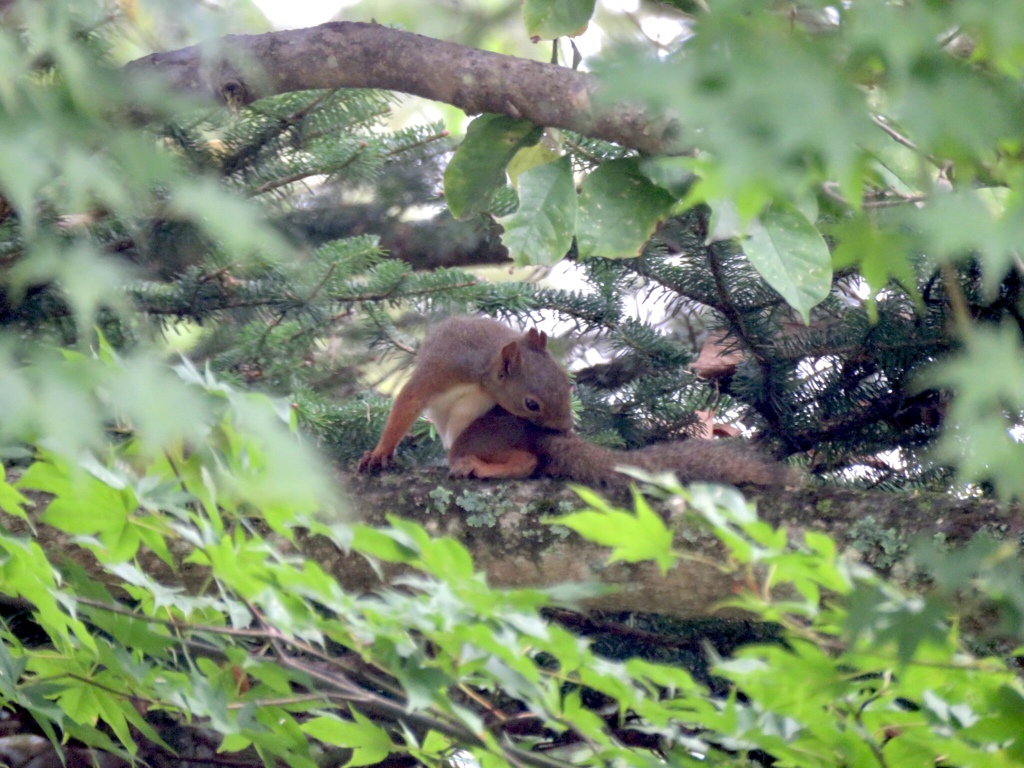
(662, 675)
(477, 169)
(158, 421)
(80, 702)
(988, 378)
(25, 166)
(788, 252)
(371, 541)
(548, 19)
(11, 670)
(90, 280)
(633, 538)
(619, 210)
(526, 158)
(968, 220)
(115, 712)
(234, 742)
(236, 224)
(422, 685)
(583, 719)
(881, 255)
(369, 742)
(448, 559)
(12, 502)
(912, 622)
(541, 230)
(673, 174)
(435, 744)
(93, 508)
(778, 111)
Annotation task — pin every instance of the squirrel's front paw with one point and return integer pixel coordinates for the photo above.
(371, 463)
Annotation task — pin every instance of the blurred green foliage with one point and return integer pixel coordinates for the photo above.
(835, 125)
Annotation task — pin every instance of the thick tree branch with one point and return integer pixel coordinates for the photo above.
(504, 526)
(357, 55)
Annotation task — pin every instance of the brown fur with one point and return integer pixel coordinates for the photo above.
(467, 365)
(494, 446)
(571, 457)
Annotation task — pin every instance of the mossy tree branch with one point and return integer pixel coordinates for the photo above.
(503, 524)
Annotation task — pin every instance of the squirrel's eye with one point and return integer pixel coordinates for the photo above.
(532, 405)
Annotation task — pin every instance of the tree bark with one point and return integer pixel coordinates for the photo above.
(503, 526)
(358, 55)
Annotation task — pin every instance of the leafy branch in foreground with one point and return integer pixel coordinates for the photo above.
(274, 660)
(866, 673)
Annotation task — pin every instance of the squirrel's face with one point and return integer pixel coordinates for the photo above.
(526, 381)
(553, 410)
(541, 394)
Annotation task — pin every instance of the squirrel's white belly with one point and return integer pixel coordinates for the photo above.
(456, 409)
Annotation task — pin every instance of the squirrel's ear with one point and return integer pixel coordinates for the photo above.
(536, 339)
(511, 358)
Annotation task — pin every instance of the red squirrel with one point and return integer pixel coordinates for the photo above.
(501, 405)
(502, 445)
(467, 365)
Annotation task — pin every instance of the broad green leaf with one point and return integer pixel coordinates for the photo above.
(673, 174)
(880, 255)
(619, 210)
(633, 538)
(662, 674)
(599, 527)
(88, 279)
(25, 166)
(988, 378)
(979, 220)
(777, 111)
(501, 643)
(470, 718)
(369, 742)
(371, 541)
(899, 167)
(477, 169)
(158, 421)
(92, 508)
(724, 223)
(115, 712)
(84, 505)
(81, 702)
(12, 502)
(131, 633)
(911, 750)
(121, 544)
(541, 230)
(11, 670)
(422, 685)
(237, 224)
(911, 622)
(25, 571)
(431, 750)
(583, 719)
(788, 252)
(548, 19)
(526, 158)
(447, 559)
(234, 742)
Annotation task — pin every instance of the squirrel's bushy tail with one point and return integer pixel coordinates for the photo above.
(568, 456)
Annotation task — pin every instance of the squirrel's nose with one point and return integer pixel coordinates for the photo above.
(565, 425)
